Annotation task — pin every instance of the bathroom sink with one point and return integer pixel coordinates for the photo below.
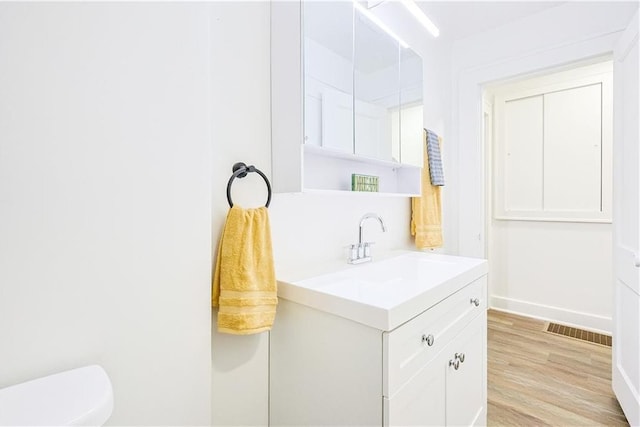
(389, 278)
(384, 293)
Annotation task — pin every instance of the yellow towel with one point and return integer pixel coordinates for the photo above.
(244, 281)
(426, 211)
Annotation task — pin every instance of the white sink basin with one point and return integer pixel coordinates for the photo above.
(386, 293)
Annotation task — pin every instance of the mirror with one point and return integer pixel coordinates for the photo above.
(328, 75)
(411, 114)
(362, 90)
(377, 90)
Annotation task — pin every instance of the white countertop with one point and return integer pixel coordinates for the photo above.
(384, 293)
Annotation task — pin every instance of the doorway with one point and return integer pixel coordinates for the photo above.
(548, 171)
(548, 151)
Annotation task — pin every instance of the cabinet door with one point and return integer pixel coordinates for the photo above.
(328, 74)
(411, 115)
(420, 402)
(376, 89)
(466, 386)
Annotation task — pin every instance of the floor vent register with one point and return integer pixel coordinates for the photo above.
(580, 334)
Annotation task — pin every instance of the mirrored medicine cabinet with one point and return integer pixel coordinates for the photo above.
(358, 109)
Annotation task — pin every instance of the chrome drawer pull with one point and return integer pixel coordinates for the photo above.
(455, 363)
(475, 301)
(460, 357)
(429, 339)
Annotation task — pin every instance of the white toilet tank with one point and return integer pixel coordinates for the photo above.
(80, 397)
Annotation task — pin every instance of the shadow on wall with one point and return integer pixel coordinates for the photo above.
(244, 348)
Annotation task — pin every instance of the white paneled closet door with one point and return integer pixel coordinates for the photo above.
(626, 199)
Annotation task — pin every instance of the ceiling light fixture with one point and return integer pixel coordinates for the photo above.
(421, 17)
(379, 23)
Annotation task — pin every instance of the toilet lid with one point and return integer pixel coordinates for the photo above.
(78, 397)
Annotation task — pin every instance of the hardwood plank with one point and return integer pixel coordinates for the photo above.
(544, 379)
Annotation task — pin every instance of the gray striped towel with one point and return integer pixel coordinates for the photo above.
(435, 160)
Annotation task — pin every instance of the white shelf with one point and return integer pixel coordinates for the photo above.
(327, 170)
(359, 193)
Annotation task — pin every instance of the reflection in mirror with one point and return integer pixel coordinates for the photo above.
(376, 81)
(328, 74)
(411, 116)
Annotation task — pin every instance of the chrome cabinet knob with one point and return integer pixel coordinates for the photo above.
(455, 363)
(460, 357)
(429, 339)
(475, 301)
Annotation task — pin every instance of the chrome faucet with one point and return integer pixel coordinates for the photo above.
(362, 251)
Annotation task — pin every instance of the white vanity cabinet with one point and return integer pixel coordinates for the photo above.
(334, 360)
(438, 394)
(441, 352)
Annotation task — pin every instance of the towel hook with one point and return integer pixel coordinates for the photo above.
(240, 170)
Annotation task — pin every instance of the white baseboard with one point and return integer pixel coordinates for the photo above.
(572, 318)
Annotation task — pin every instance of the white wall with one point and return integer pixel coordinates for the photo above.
(555, 270)
(107, 114)
(306, 228)
(509, 51)
(515, 49)
(437, 104)
(566, 24)
(241, 124)
(314, 228)
(105, 201)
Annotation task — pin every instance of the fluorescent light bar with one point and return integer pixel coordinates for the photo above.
(379, 23)
(421, 17)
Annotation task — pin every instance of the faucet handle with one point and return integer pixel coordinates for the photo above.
(353, 252)
(367, 248)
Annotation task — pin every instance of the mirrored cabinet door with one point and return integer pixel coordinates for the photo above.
(336, 92)
(377, 90)
(411, 111)
(328, 75)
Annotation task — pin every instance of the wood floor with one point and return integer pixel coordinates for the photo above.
(542, 379)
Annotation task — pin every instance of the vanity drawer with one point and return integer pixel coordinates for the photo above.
(409, 347)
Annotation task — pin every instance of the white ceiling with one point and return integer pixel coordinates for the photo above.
(330, 24)
(460, 19)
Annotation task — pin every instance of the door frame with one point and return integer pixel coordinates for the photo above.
(594, 70)
(471, 158)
